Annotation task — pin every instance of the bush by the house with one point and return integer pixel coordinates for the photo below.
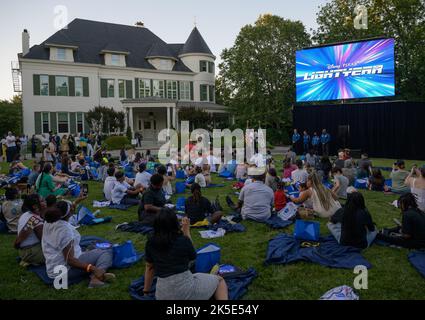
(116, 142)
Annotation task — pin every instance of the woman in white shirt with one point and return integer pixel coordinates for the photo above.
(61, 247)
(416, 181)
(30, 231)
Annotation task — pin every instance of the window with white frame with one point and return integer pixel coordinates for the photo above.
(44, 85)
(79, 87)
(45, 119)
(158, 88)
(185, 90)
(203, 66)
(79, 122)
(62, 86)
(111, 88)
(172, 90)
(144, 88)
(121, 88)
(61, 54)
(204, 92)
(115, 59)
(63, 122)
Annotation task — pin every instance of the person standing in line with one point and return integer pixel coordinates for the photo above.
(315, 141)
(11, 147)
(296, 138)
(24, 144)
(325, 140)
(306, 141)
(3, 148)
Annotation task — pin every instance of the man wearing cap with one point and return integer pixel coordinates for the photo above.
(398, 176)
(256, 199)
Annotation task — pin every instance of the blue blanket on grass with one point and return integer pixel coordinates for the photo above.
(284, 249)
(237, 286)
(85, 242)
(276, 222)
(229, 227)
(136, 227)
(417, 259)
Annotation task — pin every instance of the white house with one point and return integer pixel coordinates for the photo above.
(129, 68)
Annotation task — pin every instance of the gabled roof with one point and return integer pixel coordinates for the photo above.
(92, 37)
(195, 44)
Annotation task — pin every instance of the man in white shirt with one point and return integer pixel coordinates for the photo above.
(109, 184)
(259, 160)
(213, 162)
(123, 193)
(143, 178)
(11, 147)
(299, 175)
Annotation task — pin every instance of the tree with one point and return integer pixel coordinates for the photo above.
(106, 120)
(11, 116)
(403, 20)
(257, 75)
(198, 119)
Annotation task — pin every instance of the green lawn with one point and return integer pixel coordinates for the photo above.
(392, 277)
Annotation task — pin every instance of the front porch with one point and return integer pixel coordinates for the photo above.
(147, 117)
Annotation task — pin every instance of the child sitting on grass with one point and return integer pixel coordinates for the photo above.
(280, 197)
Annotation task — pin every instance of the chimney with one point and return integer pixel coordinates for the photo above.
(25, 42)
(140, 24)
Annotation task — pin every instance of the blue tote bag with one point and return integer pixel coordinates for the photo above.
(125, 255)
(207, 257)
(307, 230)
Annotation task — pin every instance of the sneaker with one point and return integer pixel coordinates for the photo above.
(109, 277)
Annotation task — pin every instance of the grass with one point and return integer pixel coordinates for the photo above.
(391, 277)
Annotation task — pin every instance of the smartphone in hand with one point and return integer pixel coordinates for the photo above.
(85, 189)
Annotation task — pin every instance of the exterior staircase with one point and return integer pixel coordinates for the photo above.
(16, 76)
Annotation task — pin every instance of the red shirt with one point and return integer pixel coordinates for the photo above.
(279, 200)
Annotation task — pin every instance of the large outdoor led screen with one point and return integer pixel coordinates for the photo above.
(363, 69)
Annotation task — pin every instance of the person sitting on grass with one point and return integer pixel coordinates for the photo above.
(199, 208)
(324, 201)
(61, 246)
(416, 181)
(303, 199)
(398, 176)
(44, 184)
(153, 200)
(325, 167)
(32, 178)
(340, 183)
(123, 193)
(280, 197)
(352, 225)
(411, 233)
(349, 171)
(169, 251)
(12, 209)
(30, 231)
(206, 171)
(299, 175)
(200, 178)
(241, 171)
(376, 180)
(142, 177)
(109, 183)
(256, 200)
(16, 165)
(271, 179)
(288, 168)
(166, 186)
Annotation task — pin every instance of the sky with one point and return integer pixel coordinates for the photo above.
(219, 21)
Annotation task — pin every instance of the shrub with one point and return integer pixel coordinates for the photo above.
(116, 142)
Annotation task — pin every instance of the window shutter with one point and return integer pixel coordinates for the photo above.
(103, 88)
(86, 87)
(191, 90)
(165, 89)
(151, 93)
(73, 122)
(136, 88)
(53, 122)
(37, 118)
(36, 84)
(52, 85)
(178, 90)
(129, 89)
(86, 123)
(200, 66)
(71, 86)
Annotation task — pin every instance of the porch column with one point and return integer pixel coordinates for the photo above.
(174, 118)
(131, 121)
(168, 118)
(126, 120)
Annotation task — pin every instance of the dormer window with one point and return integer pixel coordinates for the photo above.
(115, 60)
(165, 64)
(61, 54)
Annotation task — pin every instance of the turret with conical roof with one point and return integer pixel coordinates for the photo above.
(195, 44)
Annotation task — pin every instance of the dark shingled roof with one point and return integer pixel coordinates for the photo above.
(195, 44)
(91, 37)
